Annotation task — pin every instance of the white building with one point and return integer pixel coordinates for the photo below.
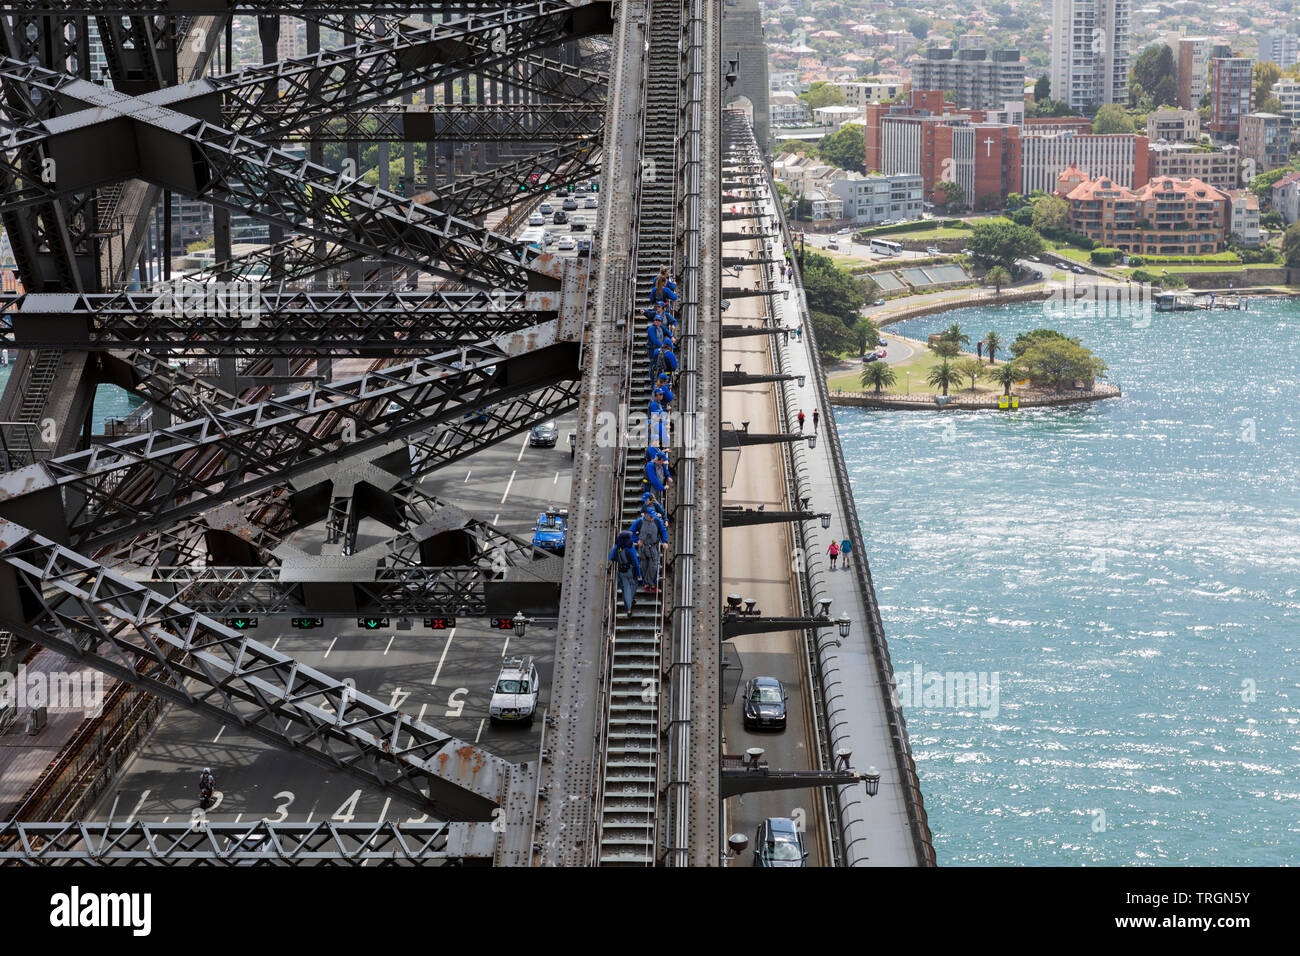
(860, 94)
(786, 109)
(1043, 158)
(1286, 197)
(1287, 90)
(1280, 47)
(1243, 222)
(1090, 52)
(875, 198)
(837, 116)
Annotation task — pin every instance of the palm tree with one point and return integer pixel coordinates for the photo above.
(991, 343)
(1005, 375)
(999, 277)
(943, 375)
(954, 335)
(878, 375)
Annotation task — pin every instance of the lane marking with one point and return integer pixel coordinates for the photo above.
(505, 645)
(467, 474)
(276, 644)
(556, 478)
(144, 796)
(522, 448)
(239, 817)
(506, 493)
(445, 648)
(496, 518)
(482, 721)
(330, 648)
(384, 812)
(390, 644)
(220, 731)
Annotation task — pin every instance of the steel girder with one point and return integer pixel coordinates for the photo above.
(272, 440)
(182, 318)
(73, 606)
(482, 122)
(256, 843)
(400, 8)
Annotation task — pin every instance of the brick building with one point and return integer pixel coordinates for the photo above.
(1167, 216)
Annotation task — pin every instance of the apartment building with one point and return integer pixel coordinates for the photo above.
(1167, 216)
(1193, 70)
(1090, 52)
(1243, 217)
(1174, 126)
(1219, 167)
(1121, 158)
(786, 109)
(1266, 139)
(1286, 197)
(1280, 47)
(859, 94)
(979, 78)
(875, 198)
(1232, 94)
(1287, 91)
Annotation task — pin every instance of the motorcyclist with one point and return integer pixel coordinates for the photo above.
(207, 784)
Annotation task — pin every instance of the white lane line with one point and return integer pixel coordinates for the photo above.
(496, 518)
(143, 797)
(330, 648)
(481, 722)
(556, 478)
(220, 731)
(522, 448)
(445, 648)
(384, 812)
(506, 493)
(165, 819)
(467, 474)
(505, 645)
(420, 719)
(276, 644)
(239, 817)
(390, 644)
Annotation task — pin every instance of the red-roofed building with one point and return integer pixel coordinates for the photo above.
(1167, 216)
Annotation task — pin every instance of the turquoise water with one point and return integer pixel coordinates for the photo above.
(1129, 569)
(110, 401)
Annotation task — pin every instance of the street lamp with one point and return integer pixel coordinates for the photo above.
(872, 779)
(520, 623)
(812, 441)
(844, 624)
(801, 381)
(737, 844)
(824, 608)
(826, 520)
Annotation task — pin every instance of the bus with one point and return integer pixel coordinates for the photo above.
(886, 247)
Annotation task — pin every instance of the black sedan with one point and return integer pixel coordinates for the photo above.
(765, 699)
(779, 843)
(543, 436)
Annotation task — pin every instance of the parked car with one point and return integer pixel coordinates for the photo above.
(765, 699)
(779, 843)
(514, 695)
(551, 529)
(543, 435)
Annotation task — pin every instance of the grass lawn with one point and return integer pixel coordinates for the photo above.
(912, 372)
(921, 235)
(851, 263)
(1073, 252)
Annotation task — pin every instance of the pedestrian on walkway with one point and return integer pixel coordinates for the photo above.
(652, 539)
(789, 272)
(785, 335)
(799, 332)
(846, 549)
(816, 417)
(801, 421)
(834, 552)
(629, 568)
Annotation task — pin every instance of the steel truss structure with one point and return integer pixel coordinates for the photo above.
(260, 843)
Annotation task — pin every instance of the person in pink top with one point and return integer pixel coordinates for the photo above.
(834, 552)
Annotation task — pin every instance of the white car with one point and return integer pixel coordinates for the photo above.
(567, 244)
(514, 695)
(934, 251)
(591, 203)
(537, 219)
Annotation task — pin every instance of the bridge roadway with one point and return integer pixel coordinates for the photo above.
(441, 676)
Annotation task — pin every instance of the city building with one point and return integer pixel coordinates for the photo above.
(859, 94)
(908, 144)
(1232, 94)
(1266, 139)
(1286, 197)
(1174, 126)
(1057, 124)
(837, 116)
(1280, 47)
(1219, 167)
(1167, 216)
(1287, 91)
(825, 205)
(783, 80)
(978, 78)
(875, 198)
(1121, 158)
(1193, 68)
(1243, 217)
(786, 109)
(1090, 52)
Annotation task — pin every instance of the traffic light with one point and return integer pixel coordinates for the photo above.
(372, 623)
(440, 623)
(307, 623)
(241, 623)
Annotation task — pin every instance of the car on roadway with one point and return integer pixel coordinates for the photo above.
(543, 435)
(569, 204)
(934, 251)
(845, 231)
(567, 244)
(514, 695)
(779, 843)
(546, 209)
(1078, 270)
(577, 224)
(537, 219)
(584, 248)
(591, 203)
(879, 302)
(765, 699)
(551, 529)
(832, 244)
(561, 218)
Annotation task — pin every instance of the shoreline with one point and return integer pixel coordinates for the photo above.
(926, 402)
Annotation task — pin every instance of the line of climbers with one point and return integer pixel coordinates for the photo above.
(638, 549)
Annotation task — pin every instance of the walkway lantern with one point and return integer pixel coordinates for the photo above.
(812, 441)
(520, 623)
(824, 608)
(844, 624)
(802, 379)
(872, 780)
(734, 601)
(826, 520)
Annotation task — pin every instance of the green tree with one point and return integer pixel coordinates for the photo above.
(822, 94)
(999, 276)
(1051, 212)
(1291, 246)
(970, 368)
(950, 195)
(1005, 375)
(1057, 361)
(877, 375)
(1154, 75)
(992, 342)
(1026, 340)
(918, 26)
(943, 376)
(1111, 118)
(866, 335)
(1266, 74)
(1002, 243)
(845, 148)
(1042, 88)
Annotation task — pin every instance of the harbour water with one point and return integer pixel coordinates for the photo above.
(1123, 576)
(110, 401)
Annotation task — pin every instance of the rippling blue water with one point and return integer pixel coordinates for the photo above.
(110, 401)
(1131, 571)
